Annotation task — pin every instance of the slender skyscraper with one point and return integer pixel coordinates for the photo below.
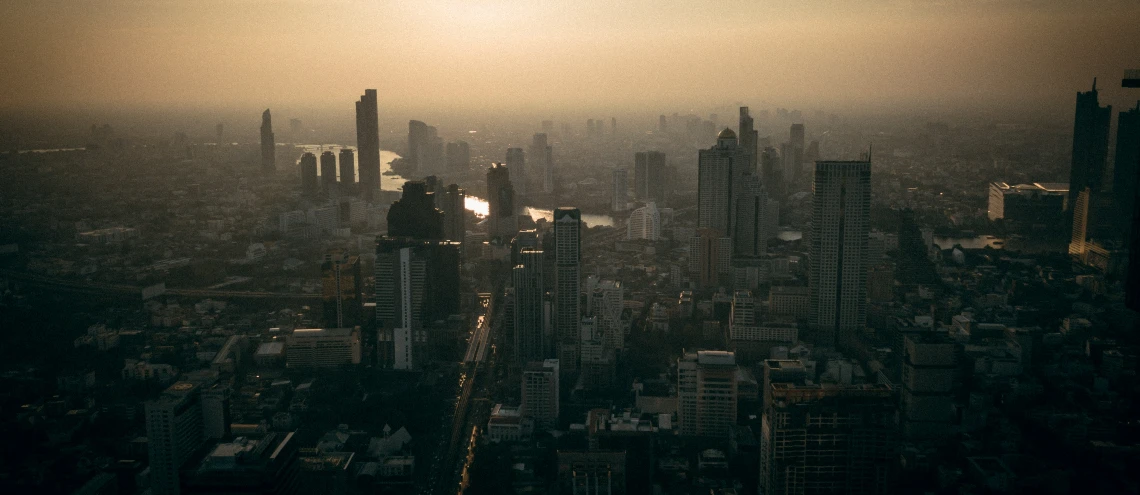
(516, 161)
(750, 219)
(717, 168)
(1090, 145)
(649, 177)
(451, 203)
(620, 196)
(347, 168)
(529, 319)
(567, 278)
(500, 202)
(1126, 171)
(841, 211)
(748, 136)
(772, 173)
(540, 156)
(268, 147)
(309, 185)
(328, 172)
(368, 144)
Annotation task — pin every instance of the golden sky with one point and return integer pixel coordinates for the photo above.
(570, 54)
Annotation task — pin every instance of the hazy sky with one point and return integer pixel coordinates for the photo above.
(587, 54)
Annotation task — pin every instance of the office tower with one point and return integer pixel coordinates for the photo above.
(417, 284)
(828, 439)
(540, 393)
(751, 218)
(606, 304)
(541, 156)
(342, 294)
(458, 156)
(841, 210)
(644, 223)
(780, 371)
(793, 155)
(1028, 206)
(927, 402)
(414, 215)
(451, 202)
(743, 308)
(749, 137)
(1090, 145)
(516, 162)
(347, 169)
(322, 347)
(620, 196)
(178, 423)
(500, 202)
(368, 144)
(417, 134)
(328, 172)
(718, 167)
(706, 393)
(268, 147)
(649, 177)
(772, 173)
(710, 258)
(1126, 171)
(1078, 246)
(567, 280)
(530, 341)
(250, 464)
(309, 181)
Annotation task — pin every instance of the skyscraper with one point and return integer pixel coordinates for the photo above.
(342, 295)
(540, 393)
(710, 258)
(516, 162)
(500, 202)
(706, 393)
(414, 215)
(328, 172)
(1077, 242)
(717, 168)
(567, 279)
(268, 147)
(620, 195)
(749, 137)
(793, 154)
(417, 283)
(347, 169)
(540, 157)
(772, 173)
(1090, 145)
(368, 144)
(458, 156)
(841, 211)
(1126, 169)
(451, 202)
(425, 148)
(178, 423)
(530, 341)
(649, 177)
(828, 439)
(309, 184)
(750, 218)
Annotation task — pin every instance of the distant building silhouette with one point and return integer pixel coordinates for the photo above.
(620, 187)
(1090, 145)
(529, 282)
(710, 258)
(368, 144)
(347, 169)
(1126, 169)
(516, 162)
(414, 215)
(268, 146)
(451, 202)
(649, 183)
(425, 148)
(328, 173)
(501, 202)
(749, 137)
(458, 156)
(309, 184)
(717, 168)
(752, 217)
(542, 159)
(567, 279)
(772, 173)
(841, 209)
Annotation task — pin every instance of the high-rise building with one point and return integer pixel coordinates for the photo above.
(606, 304)
(342, 294)
(322, 347)
(1078, 245)
(1090, 145)
(794, 156)
(751, 218)
(328, 172)
(706, 393)
(772, 173)
(452, 203)
(841, 210)
(1028, 206)
(749, 137)
(309, 182)
(567, 280)
(530, 341)
(268, 146)
(458, 156)
(425, 148)
(516, 162)
(1126, 169)
(501, 202)
(828, 439)
(927, 402)
(540, 393)
(417, 284)
(347, 169)
(541, 157)
(620, 196)
(414, 215)
(718, 167)
(178, 423)
(644, 223)
(368, 144)
(649, 183)
(710, 258)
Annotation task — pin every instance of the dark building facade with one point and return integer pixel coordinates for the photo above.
(368, 143)
(649, 177)
(414, 215)
(1090, 144)
(268, 146)
(309, 184)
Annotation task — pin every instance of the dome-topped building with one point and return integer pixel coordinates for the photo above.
(726, 138)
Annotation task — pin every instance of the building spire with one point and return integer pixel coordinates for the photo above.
(1094, 84)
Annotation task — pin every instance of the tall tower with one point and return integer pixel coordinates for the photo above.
(750, 218)
(531, 344)
(1090, 145)
(620, 197)
(649, 177)
(516, 161)
(368, 144)
(347, 168)
(500, 202)
(540, 159)
(706, 393)
(309, 185)
(717, 168)
(749, 137)
(1126, 170)
(328, 172)
(567, 279)
(414, 215)
(342, 291)
(451, 202)
(268, 147)
(841, 211)
(178, 423)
